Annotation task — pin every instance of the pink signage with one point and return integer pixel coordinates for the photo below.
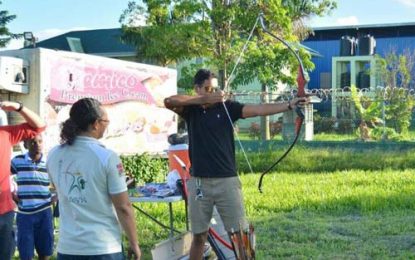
(72, 80)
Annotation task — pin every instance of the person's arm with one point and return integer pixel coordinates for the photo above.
(53, 193)
(177, 102)
(31, 117)
(270, 109)
(117, 189)
(125, 215)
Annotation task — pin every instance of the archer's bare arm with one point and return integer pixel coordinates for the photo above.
(270, 109)
(177, 102)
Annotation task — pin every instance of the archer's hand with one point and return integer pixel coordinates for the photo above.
(9, 106)
(299, 102)
(214, 97)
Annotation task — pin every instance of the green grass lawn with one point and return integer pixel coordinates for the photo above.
(328, 136)
(317, 137)
(328, 215)
(334, 137)
(321, 204)
(339, 215)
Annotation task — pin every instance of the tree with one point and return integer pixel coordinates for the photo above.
(217, 30)
(170, 35)
(368, 110)
(301, 10)
(396, 76)
(387, 113)
(5, 34)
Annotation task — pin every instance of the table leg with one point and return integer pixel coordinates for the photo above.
(187, 215)
(171, 220)
(158, 222)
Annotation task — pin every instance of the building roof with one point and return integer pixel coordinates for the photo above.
(385, 25)
(379, 30)
(107, 42)
(104, 42)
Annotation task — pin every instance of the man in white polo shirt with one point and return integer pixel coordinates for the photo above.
(91, 187)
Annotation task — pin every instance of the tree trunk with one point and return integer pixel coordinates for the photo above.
(265, 133)
(222, 79)
(364, 131)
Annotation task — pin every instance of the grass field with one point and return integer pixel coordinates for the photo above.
(339, 215)
(320, 204)
(328, 215)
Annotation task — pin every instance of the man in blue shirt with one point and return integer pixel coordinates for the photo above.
(33, 198)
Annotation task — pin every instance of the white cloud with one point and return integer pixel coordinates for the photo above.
(349, 20)
(13, 45)
(410, 3)
(49, 33)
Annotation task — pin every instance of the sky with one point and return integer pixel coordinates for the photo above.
(48, 18)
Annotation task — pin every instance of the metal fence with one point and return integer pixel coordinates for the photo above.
(335, 110)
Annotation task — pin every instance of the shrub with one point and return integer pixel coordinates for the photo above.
(385, 133)
(324, 124)
(255, 131)
(145, 168)
(345, 126)
(275, 128)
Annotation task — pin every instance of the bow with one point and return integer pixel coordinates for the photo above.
(302, 80)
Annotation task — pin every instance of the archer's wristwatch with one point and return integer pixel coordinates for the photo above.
(20, 107)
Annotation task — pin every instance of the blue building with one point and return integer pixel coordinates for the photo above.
(326, 41)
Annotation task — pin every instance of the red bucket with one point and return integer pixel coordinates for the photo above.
(178, 155)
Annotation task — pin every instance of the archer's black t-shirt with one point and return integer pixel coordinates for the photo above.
(211, 139)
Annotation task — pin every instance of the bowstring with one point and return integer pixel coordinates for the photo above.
(242, 53)
(237, 138)
(227, 86)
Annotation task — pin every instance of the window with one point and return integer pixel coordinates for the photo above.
(75, 44)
